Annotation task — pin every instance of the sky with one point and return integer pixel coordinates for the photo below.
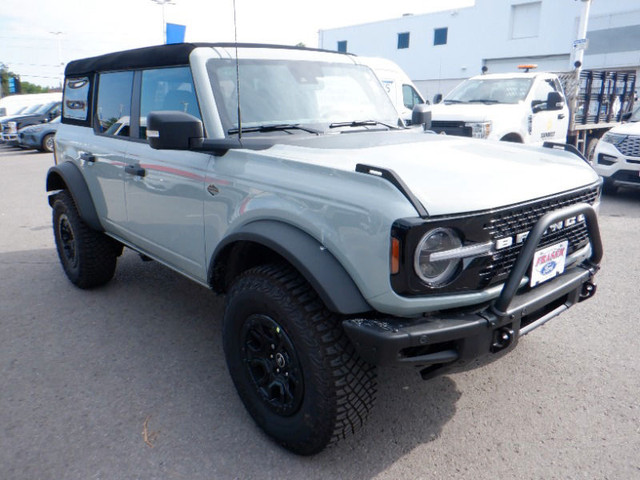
(37, 37)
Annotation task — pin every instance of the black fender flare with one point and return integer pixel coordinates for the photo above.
(67, 176)
(309, 257)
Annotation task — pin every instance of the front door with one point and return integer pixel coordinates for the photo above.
(165, 189)
(547, 125)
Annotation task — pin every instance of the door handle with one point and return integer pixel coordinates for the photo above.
(136, 170)
(87, 157)
(560, 116)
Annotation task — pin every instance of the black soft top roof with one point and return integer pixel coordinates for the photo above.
(148, 57)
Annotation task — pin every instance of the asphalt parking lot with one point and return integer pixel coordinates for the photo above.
(87, 376)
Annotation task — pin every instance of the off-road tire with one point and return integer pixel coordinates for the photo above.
(47, 143)
(88, 257)
(293, 367)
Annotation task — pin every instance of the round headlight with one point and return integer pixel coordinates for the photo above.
(436, 273)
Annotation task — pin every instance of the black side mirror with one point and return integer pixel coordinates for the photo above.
(437, 98)
(421, 115)
(172, 130)
(555, 101)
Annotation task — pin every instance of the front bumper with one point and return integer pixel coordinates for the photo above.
(454, 338)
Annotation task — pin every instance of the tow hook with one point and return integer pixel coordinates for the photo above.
(502, 338)
(588, 291)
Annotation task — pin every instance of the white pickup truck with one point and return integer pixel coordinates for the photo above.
(537, 107)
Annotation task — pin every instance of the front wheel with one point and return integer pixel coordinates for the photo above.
(292, 365)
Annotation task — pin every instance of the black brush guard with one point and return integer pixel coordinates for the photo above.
(454, 338)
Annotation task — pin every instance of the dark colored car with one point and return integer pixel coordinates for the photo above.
(11, 125)
(39, 136)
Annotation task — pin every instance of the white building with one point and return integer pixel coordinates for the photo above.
(438, 50)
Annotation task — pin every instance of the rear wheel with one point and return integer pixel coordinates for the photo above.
(293, 367)
(88, 257)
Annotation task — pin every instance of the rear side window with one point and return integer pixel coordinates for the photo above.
(167, 89)
(113, 109)
(75, 108)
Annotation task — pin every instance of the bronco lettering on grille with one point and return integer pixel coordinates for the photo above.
(521, 237)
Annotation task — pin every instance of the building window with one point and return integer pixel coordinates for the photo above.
(403, 40)
(525, 20)
(342, 46)
(440, 36)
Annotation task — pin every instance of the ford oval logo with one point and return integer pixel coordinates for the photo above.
(548, 268)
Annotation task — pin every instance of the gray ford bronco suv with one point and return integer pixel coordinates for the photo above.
(283, 178)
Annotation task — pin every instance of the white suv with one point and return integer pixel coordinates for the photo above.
(617, 155)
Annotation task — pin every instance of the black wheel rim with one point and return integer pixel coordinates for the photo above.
(67, 239)
(272, 364)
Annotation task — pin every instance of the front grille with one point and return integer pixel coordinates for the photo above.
(451, 128)
(630, 146)
(521, 219)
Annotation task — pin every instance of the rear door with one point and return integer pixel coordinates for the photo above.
(101, 152)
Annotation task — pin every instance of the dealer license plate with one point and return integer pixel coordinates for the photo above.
(548, 262)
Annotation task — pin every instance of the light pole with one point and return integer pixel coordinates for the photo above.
(162, 3)
(580, 45)
(60, 64)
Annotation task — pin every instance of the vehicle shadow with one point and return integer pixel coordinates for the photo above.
(138, 363)
(14, 150)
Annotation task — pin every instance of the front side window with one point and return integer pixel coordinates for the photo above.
(167, 89)
(543, 89)
(410, 97)
(76, 98)
(275, 92)
(114, 103)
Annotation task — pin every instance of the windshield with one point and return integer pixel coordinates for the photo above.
(493, 90)
(310, 93)
(44, 108)
(32, 109)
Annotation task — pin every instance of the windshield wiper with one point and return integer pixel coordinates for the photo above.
(362, 123)
(274, 128)
(483, 100)
(453, 101)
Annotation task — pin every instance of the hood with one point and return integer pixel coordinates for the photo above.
(632, 128)
(450, 175)
(472, 112)
(18, 118)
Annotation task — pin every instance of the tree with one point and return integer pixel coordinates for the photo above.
(25, 87)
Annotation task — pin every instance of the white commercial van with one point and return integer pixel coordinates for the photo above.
(403, 93)
(14, 104)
